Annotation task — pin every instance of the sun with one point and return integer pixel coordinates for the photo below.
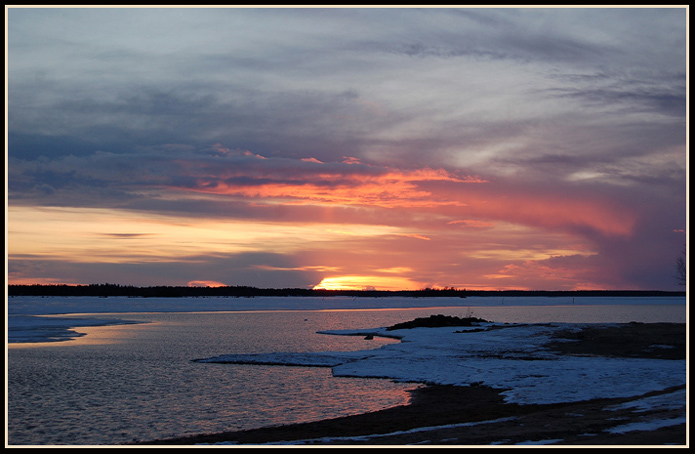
(353, 282)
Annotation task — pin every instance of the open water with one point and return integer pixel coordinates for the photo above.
(126, 383)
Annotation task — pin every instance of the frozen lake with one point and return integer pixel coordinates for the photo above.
(119, 383)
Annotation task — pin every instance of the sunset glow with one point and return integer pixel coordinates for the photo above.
(367, 283)
(429, 150)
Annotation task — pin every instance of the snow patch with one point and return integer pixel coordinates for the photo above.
(647, 425)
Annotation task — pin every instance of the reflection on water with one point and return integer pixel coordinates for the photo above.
(90, 335)
(137, 382)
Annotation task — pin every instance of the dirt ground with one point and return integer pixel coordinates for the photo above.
(634, 340)
(574, 423)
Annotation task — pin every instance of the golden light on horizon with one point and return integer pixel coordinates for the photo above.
(206, 284)
(356, 282)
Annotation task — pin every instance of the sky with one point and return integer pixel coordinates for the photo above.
(362, 148)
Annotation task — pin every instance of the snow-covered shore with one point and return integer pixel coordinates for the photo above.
(512, 357)
(589, 398)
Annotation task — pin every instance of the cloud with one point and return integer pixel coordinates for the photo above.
(471, 223)
(549, 127)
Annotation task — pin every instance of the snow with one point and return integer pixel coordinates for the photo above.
(671, 401)
(504, 356)
(647, 425)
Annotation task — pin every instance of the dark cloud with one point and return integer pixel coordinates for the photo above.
(657, 100)
(263, 270)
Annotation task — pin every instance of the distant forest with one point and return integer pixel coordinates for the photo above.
(106, 290)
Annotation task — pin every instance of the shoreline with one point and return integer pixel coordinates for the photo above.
(478, 415)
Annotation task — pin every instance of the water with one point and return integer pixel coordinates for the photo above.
(123, 383)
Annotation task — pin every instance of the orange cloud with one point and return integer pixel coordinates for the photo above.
(566, 272)
(380, 187)
(515, 203)
(550, 211)
(309, 182)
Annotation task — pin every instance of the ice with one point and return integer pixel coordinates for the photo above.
(511, 357)
(30, 328)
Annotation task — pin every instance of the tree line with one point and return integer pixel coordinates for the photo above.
(106, 290)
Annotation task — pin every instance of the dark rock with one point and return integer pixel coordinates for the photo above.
(437, 321)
